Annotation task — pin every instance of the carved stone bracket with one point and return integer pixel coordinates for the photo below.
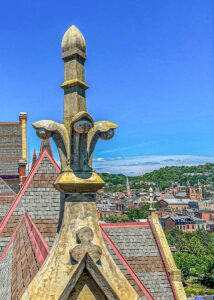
(85, 236)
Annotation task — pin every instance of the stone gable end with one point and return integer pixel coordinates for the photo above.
(41, 201)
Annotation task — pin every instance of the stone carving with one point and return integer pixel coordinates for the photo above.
(76, 138)
(85, 236)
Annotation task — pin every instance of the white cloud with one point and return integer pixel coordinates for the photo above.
(137, 165)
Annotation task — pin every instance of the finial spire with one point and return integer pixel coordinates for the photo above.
(34, 159)
(76, 138)
(74, 86)
(128, 190)
(73, 40)
(46, 145)
(151, 200)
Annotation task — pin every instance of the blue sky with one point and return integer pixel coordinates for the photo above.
(150, 68)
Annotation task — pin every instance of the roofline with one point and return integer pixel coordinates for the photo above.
(205, 211)
(164, 261)
(42, 145)
(8, 196)
(131, 224)
(10, 240)
(39, 244)
(126, 265)
(37, 240)
(9, 123)
(25, 186)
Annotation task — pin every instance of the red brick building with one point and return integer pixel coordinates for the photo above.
(173, 204)
(184, 223)
(207, 215)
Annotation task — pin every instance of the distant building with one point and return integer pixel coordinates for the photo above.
(168, 196)
(207, 215)
(207, 204)
(174, 204)
(13, 152)
(184, 223)
(106, 205)
(128, 190)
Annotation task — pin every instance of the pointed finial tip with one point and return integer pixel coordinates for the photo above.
(73, 39)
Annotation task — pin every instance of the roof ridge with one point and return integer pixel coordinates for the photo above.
(127, 224)
(25, 186)
(126, 265)
(11, 239)
(162, 258)
(5, 183)
(40, 247)
(9, 123)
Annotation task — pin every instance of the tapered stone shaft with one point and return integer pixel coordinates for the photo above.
(73, 55)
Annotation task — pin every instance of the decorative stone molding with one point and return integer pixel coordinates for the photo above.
(85, 236)
(173, 272)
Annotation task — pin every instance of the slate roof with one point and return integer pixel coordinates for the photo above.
(176, 201)
(7, 196)
(5, 188)
(181, 194)
(10, 148)
(167, 196)
(21, 259)
(39, 198)
(132, 246)
(32, 219)
(134, 249)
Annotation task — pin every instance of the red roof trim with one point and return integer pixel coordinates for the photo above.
(25, 186)
(39, 244)
(131, 224)
(163, 260)
(126, 265)
(7, 196)
(11, 239)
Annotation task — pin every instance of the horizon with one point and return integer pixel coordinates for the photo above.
(140, 165)
(150, 70)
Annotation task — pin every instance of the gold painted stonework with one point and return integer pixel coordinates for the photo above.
(77, 136)
(74, 82)
(68, 182)
(86, 246)
(57, 271)
(85, 294)
(23, 121)
(174, 272)
(79, 265)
